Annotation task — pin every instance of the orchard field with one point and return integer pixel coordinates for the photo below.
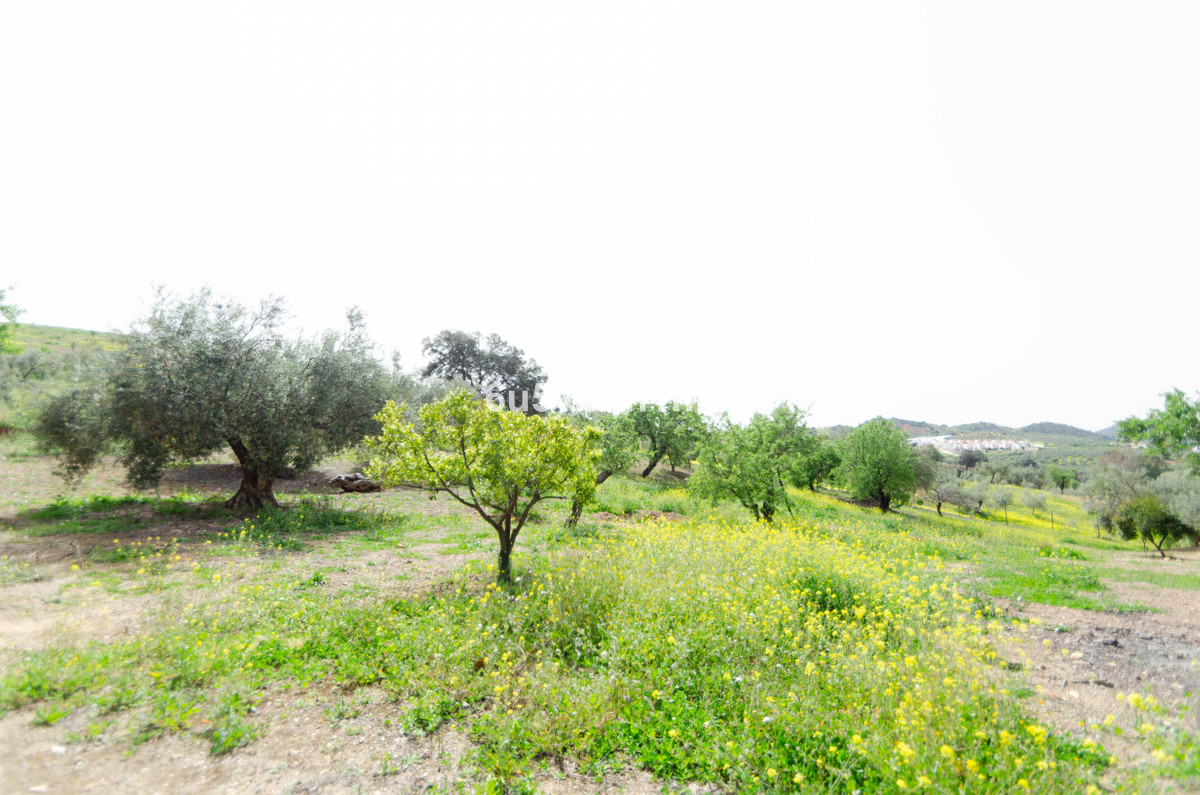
(359, 643)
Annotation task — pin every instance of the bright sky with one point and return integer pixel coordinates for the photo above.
(944, 211)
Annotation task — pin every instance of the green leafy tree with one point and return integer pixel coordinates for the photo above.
(753, 463)
(200, 375)
(618, 445)
(926, 460)
(671, 431)
(971, 458)
(493, 368)
(877, 464)
(818, 465)
(499, 463)
(1150, 519)
(1062, 477)
(10, 313)
(1119, 477)
(1171, 430)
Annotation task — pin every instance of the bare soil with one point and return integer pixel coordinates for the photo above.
(1083, 659)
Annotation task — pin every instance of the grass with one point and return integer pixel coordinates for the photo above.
(838, 650)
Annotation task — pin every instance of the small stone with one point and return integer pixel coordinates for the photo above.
(1076, 655)
(1072, 694)
(1110, 642)
(58, 749)
(39, 788)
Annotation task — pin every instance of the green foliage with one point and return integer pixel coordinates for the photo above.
(1173, 429)
(500, 463)
(1150, 519)
(671, 431)
(199, 375)
(753, 463)
(10, 313)
(818, 464)
(877, 464)
(1062, 477)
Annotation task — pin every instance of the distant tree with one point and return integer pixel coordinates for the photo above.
(1119, 477)
(492, 367)
(198, 375)
(818, 465)
(1038, 503)
(671, 431)
(1062, 477)
(971, 458)
(499, 463)
(877, 464)
(10, 313)
(753, 463)
(1002, 498)
(926, 460)
(992, 470)
(945, 487)
(1171, 430)
(1149, 518)
(970, 496)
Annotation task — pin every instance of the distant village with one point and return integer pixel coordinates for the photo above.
(950, 444)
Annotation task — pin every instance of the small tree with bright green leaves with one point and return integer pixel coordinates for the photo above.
(498, 463)
(1175, 428)
(618, 444)
(877, 464)
(753, 463)
(10, 313)
(818, 465)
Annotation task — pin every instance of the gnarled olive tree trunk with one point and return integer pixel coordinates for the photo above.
(257, 489)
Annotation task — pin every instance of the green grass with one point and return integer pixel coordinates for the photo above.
(839, 650)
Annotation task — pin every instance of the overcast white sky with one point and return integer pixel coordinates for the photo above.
(944, 211)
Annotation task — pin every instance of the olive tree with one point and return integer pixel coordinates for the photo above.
(498, 463)
(877, 463)
(199, 375)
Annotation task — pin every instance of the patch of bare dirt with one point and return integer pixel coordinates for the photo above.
(319, 740)
(1082, 659)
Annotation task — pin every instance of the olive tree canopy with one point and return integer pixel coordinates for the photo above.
(202, 374)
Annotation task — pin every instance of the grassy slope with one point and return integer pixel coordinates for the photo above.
(839, 649)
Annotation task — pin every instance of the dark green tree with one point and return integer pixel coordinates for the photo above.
(877, 464)
(493, 368)
(671, 431)
(199, 375)
(818, 465)
(1062, 477)
(1149, 518)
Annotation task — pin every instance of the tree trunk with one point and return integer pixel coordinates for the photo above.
(939, 508)
(577, 506)
(653, 463)
(258, 481)
(504, 574)
(885, 501)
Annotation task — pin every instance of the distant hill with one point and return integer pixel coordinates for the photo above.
(1108, 433)
(1059, 429)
